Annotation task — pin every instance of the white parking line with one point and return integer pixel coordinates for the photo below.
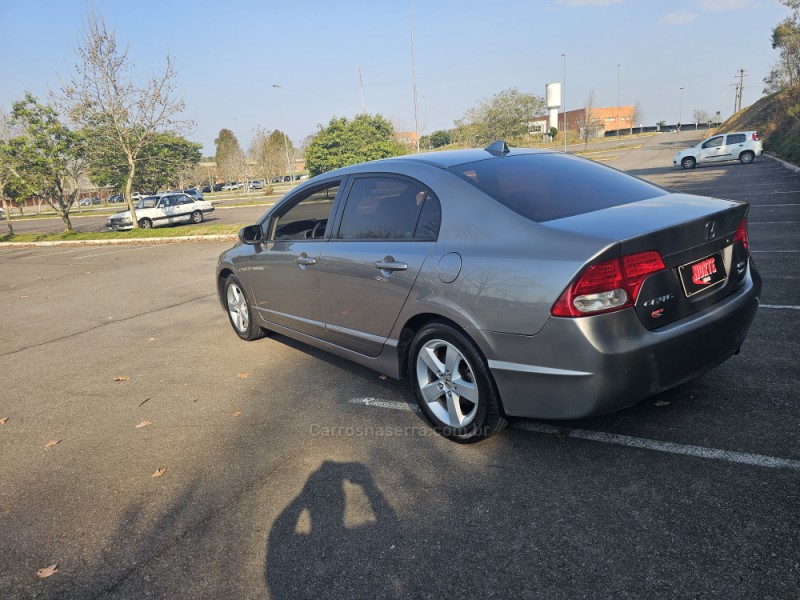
(49, 254)
(789, 306)
(745, 458)
(127, 249)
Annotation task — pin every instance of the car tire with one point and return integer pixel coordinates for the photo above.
(145, 223)
(689, 162)
(237, 306)
(453, 386)
(197, 217)
(747, 157)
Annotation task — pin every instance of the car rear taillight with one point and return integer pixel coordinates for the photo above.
(741, 235)
(755, 136)
(608, 286)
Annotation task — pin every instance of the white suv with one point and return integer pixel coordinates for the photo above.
(743, 146)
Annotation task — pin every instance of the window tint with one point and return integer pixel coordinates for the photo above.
(307, 219)
(185, 200)
(429, 220)
(543, 187)
(384, 208)
(715, 142)
(736, 138)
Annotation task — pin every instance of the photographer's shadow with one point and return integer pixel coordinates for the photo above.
(338, 538)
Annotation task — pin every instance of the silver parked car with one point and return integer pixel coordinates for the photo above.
(501, 283)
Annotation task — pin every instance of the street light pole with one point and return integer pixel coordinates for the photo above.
(618, 123)
(680, 111)
(285, 139)
(414, 73)
(564, 100)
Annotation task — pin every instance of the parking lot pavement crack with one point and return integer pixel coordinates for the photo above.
(106, 324)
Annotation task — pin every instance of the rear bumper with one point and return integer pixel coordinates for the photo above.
(575, 368)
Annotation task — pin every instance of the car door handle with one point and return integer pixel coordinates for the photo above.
(384, 265)
(305, 261)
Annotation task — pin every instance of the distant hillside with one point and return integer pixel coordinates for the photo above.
(777, 119)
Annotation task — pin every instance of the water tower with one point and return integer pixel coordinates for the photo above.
(553, 96)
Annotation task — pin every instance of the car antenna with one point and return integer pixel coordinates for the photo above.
(498, 148)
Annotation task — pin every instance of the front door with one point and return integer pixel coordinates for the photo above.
(285, 284)
(712, 150)
(388, 227)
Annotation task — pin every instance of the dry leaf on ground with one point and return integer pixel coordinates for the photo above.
(4, 420)
(661, 403)
(122, 378)
(152, 340)
(47, 571)
(52, 443)
(144, 424)
(160, 472)
(238, 413)
(242, 375)
(382, 377)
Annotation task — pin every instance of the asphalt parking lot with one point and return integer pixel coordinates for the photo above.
(190, 464)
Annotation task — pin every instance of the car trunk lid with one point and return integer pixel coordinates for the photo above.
(695, 237)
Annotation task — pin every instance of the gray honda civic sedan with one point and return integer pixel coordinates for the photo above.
(500, 283)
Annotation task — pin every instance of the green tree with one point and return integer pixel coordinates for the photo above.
(439, 138)
(47, 159)
(346, 142)
(160, 164)
(504, 116)
(7, 170)
(103, 96)
(786, 39)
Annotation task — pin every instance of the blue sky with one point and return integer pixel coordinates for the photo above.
(229, 55)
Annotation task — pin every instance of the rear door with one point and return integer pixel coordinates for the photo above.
(386, 229)
(734, 144)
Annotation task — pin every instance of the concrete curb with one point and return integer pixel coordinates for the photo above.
(788, 165)
(228, 237)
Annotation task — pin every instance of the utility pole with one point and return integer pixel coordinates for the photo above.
(361, 85)
(739, 89)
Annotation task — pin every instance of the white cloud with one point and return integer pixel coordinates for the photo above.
(722, 5)
(679, 18)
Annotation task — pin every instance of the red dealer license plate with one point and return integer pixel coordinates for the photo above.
(703, 274)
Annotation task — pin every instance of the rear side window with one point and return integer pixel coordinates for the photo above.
(389, 208)
(544, 187)
(736, 138)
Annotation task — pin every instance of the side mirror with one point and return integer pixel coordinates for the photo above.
(251, 235)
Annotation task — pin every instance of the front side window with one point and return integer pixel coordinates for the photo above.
(147, 203)
(307, 217)
(713, 142)
(389, 208)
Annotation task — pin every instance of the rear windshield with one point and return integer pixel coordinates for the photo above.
(544, 187)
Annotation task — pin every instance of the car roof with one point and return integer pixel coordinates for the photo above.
(442, 159)
(449, 158)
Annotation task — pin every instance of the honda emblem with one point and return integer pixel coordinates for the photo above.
(711, 230)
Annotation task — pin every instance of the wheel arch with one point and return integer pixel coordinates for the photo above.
(409, 332)
(222, 277)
